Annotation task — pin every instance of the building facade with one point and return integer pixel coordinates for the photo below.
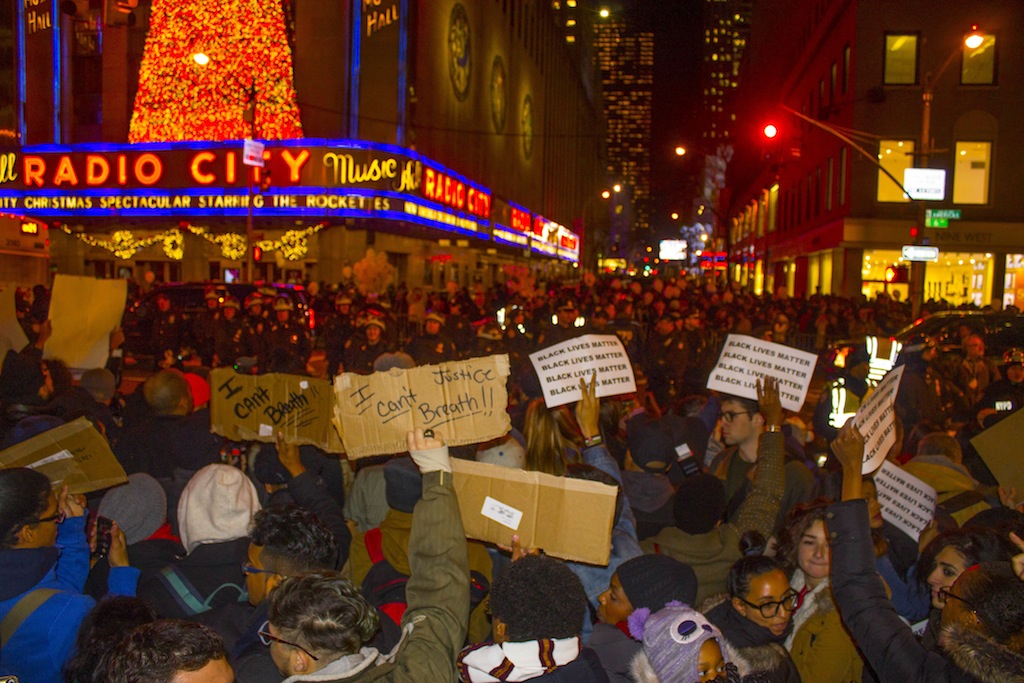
(817, 208)
(459, 138)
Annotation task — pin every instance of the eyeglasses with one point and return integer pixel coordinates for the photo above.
(266, 637)
(57, 517)
(791, 602)
(729, 416)
(946, 594)
(249, 568)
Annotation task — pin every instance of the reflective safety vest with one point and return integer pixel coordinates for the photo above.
(844, 404)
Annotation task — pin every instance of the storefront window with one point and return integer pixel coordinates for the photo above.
(900, 59)
(957, 277)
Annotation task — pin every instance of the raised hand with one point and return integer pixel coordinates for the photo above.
(768, 403)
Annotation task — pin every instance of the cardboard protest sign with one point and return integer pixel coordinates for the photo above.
(9, 325)
(876, 420)
(907, 502)
(256, 408)
(746, 359)
(464, 402)
(567, 518)
(73, 455)
(84, 311)
(560, 367)
(1000, 446)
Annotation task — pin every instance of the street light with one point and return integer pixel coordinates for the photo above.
(680, 151)
(604, 13)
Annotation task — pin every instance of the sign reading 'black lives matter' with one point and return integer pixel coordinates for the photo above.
(561, 366)
(745, 359)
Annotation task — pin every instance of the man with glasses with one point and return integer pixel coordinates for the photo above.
(742, 426)
(319, 624)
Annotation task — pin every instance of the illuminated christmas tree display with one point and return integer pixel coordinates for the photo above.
(243, 62)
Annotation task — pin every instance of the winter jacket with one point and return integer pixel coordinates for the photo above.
(949, 481)
(761, 650)
(434, 625)
(595, 578)
(162, 443)
(798, 484)
(651, 497)
(712, 554)
(615, 650)
(213, 569)
(44, 641)
(888, 644)
(819, 645)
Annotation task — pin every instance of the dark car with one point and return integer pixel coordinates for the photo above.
(189, 298)
(1000, 330)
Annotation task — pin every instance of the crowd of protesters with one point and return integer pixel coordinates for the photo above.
(745, 547)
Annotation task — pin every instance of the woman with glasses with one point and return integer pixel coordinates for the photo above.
(756, 615)
(982, 618)
(819, 645)
(44, 561)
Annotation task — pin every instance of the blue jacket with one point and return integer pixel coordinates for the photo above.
(43, 643)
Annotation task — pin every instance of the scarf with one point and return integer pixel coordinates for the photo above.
(516, 661)
(742, 632)
(818, 599)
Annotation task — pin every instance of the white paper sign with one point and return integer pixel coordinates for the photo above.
(9, 325)
(876, 420)
(745, 359)
(907, 502)
(503, 514)
(84, 311)
(561, 366)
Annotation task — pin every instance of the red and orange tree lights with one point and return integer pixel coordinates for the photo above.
(249, 66)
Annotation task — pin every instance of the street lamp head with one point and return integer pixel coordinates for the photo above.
(201, 58)
(680, 151)
(675, 216)
(975, 38)
(616, 187)
(604, 13)
(606, 194)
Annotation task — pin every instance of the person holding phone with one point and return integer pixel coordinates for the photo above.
(44, 561)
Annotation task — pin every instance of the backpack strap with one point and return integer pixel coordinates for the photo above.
(372, 539)
(22, 610)
(190, 599)
(962, 501)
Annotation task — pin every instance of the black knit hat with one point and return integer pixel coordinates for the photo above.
(699, 503)
(403, 485)
(652, 581)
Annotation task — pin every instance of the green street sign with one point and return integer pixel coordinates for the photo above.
(939, 218)
(930, 222)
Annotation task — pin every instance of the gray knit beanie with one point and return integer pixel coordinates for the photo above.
(139, 507)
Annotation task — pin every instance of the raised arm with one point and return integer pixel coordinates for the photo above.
(761, 506)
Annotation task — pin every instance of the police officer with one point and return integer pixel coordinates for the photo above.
(843, 395)
(628, 330)
(337, 330)
(432, 346)
(203, 325)
(167, 332)
(1006, 395)
(363, 348)
(564, 327)
(284, 335)
(489, 341)
(517, 338)
(665, 361)
(254, 318)
(230, 334)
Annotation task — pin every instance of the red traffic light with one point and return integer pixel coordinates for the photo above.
(771, 131)
(257, 254)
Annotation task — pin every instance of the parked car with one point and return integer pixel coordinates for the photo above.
(1000, 330)
(189, 298)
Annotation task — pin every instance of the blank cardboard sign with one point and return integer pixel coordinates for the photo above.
(1001, 446)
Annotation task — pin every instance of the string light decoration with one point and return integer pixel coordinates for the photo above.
(122, 244)
(294, 244)
(174, 244)
(232, 245)
(249, 57)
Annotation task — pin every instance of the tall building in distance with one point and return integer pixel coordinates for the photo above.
(726, 31)
(626, 62)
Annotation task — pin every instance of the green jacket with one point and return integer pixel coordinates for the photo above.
(434, 625)
(712, 554)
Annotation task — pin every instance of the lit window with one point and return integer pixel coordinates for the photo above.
(556, 5)
(971, 172)
(570, 3)
(900, 59)
(979, 65)
(570, 22)
(570, 39)
(894, 156)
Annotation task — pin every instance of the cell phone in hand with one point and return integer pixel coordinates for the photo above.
(103, 529)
